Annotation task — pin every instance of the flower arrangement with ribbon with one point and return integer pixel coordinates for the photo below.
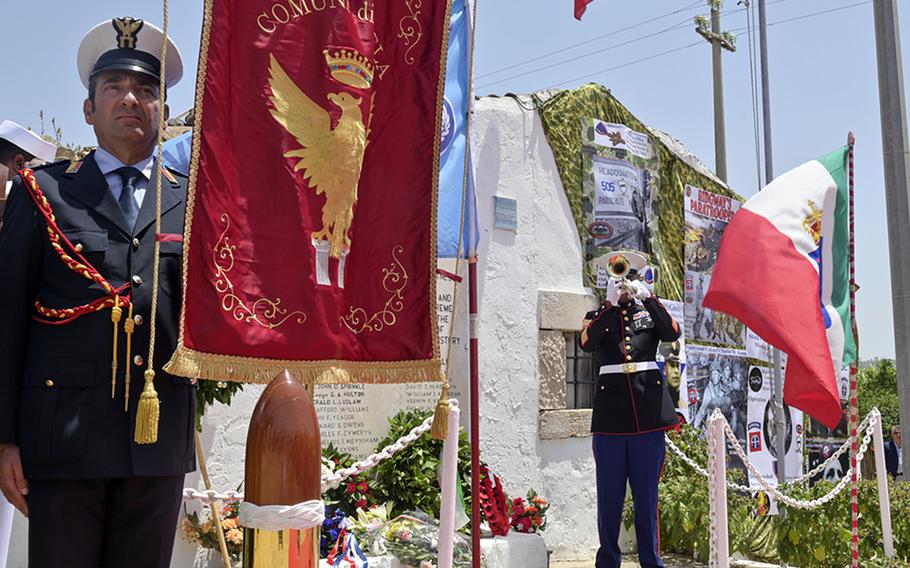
(347, 552)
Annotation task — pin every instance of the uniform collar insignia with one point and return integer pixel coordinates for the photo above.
(170, 177)
(127, 29)
(73, 168)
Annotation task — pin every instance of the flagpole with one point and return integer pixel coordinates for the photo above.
(473, 345)
(854, 395)
(780, 421)
(475, 412)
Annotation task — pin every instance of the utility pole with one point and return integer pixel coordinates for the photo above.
(896, 157)
(718, 40)
(780, 420)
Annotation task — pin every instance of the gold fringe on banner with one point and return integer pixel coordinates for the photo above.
(193, 364)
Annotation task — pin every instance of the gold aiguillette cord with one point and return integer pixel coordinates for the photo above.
(116, 314)
(128, 326)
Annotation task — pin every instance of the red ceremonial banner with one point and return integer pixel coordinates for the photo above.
(310, 239)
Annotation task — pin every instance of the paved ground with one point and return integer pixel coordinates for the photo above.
(670, 562)
(631, 561)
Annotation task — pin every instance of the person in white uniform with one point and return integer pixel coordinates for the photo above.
(19, 147)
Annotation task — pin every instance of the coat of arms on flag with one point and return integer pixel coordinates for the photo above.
(784, 270)
(311, 220)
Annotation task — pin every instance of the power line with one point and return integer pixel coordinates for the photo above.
(812, 15)
(589, 54)
(756, 128)
(592, 40)
(684, 23)
(615, 67)
(670, 51)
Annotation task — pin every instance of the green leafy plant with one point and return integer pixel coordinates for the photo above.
(814, 538)
(877, 385)
(684, 508)
(209, 392)
(408, 480)
(819, 538)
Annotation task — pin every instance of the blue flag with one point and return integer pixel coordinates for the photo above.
(176, 152)
(452, 171)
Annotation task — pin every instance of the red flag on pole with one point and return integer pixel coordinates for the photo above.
(311, 224)
(580, 7)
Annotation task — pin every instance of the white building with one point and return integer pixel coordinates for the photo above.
(531, 296)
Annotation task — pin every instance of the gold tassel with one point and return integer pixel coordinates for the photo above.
(116, 314)
(148, 412)
(441, 418)
(128, 327)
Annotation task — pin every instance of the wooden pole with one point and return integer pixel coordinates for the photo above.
(216, 514)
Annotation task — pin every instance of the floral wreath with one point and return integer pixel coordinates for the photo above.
(493, 502)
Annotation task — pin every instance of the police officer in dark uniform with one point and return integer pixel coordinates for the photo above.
(632, 407)
(77, 250)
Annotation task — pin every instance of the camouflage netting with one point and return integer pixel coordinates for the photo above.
(561, 114)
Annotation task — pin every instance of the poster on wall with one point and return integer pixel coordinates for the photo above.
(621, 177)
(716, 378)
(707, 215)
(762, 435)
(819, 452)
(671, 358)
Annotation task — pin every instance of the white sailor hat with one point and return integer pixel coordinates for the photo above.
(30, 142)
(127, 44)
(637, 262)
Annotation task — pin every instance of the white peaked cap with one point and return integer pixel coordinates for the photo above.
(28, 141)
(127, 44)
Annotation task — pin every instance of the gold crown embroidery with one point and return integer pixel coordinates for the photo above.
(349, 68)
(127, 29)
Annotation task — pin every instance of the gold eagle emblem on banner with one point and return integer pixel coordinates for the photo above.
(331, 158)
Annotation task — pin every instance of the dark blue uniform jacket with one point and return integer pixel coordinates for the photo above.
(630, 402)
(55, 380)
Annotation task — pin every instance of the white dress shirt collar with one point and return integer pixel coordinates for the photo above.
(107, 163)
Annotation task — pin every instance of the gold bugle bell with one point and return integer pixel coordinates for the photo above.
(619, 266)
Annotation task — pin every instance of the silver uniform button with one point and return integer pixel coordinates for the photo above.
(136, 244)
(138, 320)
(138, 360)
(137, 280)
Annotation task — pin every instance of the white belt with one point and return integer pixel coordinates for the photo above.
(630, 367)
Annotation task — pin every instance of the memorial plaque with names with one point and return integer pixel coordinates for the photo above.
(354, 418)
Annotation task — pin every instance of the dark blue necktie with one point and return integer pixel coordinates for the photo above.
(130, 177)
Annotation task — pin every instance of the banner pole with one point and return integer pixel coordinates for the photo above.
(854, 395)
(718, 449)
(449, 481)
(884, 499)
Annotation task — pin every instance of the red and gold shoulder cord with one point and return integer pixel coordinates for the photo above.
(71, 256)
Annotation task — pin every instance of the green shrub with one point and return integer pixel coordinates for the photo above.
(877, 386)
(408, 479)
(815, 538)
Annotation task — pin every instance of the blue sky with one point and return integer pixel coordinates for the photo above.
(823, 83)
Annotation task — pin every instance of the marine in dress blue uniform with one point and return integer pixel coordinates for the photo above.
(69, 457)
(632, 410)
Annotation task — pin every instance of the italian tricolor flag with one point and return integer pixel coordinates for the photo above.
(783, 269)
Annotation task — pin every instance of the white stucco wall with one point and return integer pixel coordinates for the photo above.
(513, 159)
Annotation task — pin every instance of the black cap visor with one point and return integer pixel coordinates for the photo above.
(128, 60)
